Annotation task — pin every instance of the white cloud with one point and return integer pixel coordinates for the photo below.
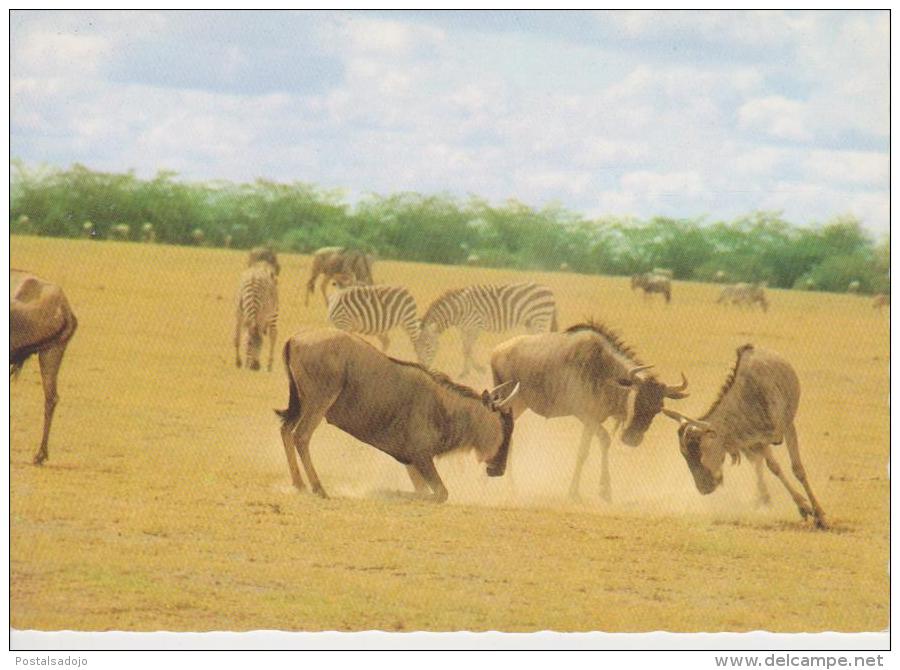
(850, 167)
(777, 116)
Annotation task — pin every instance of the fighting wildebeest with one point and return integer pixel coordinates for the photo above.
(651, 283)
(589, 373)
(332, 261)
(754, 410)
(744, 294)
(263, 254)
(40, 322)
(400, 408)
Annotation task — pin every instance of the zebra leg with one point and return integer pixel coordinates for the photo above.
(802, 505)
(468, 343)
(384, 339)
(237, 336)
(793, 448)
(583, 449)
(273, 335)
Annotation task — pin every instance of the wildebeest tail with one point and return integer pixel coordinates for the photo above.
(293, 408)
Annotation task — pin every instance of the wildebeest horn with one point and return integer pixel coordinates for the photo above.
(496, 394)
(681, 418)
(677, 392)
(634, 371)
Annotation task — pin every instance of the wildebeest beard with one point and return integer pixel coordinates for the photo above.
(703, 479)
(497, 465)
(647, 404)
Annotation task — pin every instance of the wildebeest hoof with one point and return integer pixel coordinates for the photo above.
(821, 524)
(253, 366)
(238, 363)
(39, 458)
(321, 493)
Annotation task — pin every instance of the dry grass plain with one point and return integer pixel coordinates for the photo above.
(166, 503)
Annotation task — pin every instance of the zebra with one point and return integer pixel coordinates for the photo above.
(492, 307)
(375, 310)
(257, 312)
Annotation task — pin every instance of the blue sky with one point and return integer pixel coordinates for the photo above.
(682, 114)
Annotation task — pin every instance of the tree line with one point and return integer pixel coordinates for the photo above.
(440, 228)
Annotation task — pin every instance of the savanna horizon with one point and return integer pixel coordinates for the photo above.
(166, 502)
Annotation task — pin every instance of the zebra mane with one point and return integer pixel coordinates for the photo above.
(729, 381)
(610, 336)
(441, 379)
(446, 295)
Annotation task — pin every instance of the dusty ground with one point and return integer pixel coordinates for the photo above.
(166, 502)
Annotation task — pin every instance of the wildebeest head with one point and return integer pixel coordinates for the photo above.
(646, 402)
(701, 449)
(497, 400)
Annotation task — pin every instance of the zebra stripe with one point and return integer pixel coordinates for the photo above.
(374, 310)
(494, 308)
(257, 311)
(491, 307)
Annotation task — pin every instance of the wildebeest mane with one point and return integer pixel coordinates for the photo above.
(729, 381)
(441, 379)
(592, 358)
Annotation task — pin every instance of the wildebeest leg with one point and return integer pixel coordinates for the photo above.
(426, 467)
(800, 473)
(762, 492)
(287, 438)
(584, 448)
(605, 485)
(802, 504)
(309, 420)
(50, 360)
(418, 481)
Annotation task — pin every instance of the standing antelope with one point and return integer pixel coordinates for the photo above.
(494, 308)
(651, 283)
(403, 409)
(374, 310)
(40, 322)
(332, 261)
(257, 312)
(585, 372)
(754, 410)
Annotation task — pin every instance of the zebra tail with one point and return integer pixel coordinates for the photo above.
(293, 409)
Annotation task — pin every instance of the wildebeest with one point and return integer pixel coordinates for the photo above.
(263, 254)
(754, 410)
(256, 308)
(744, 294)
(651, 283)
(41, 322)
(881, 300)
(401, 408)
(589, 373)
(332, 261)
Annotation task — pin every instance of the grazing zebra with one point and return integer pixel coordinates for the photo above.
(257, 312)
(495, 308)
(375, 310)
